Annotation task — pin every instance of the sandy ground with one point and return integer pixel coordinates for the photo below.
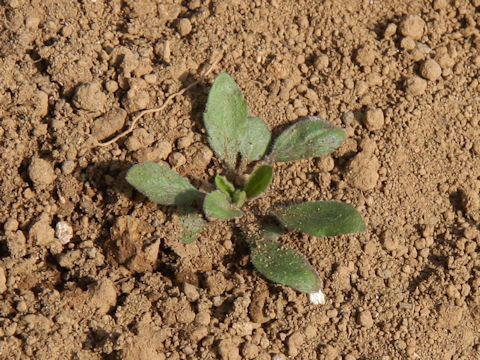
(89, 269)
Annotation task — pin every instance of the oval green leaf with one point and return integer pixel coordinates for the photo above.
(225, 186)
(285, 266)
(322, 218)
(239, 197)
(259, 181)
(217, 207)
(308, 138)
(225, 118)
(162, 185)
(255, 141)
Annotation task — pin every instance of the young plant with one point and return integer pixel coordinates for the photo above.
(239, 139)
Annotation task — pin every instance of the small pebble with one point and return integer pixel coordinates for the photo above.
(366, 56)
(63, 232)
(374, 119)
(90, 97)
(365, 319)
(321, 62)
(10, 225)
(430, 70)
(412, 26)
(177, 159)
(408, 43)
(184, 27)
(41, 172)
(415, 85)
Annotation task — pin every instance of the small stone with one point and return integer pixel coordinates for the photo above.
(321, 62)
(374, 119)
(10, 225)
(412, 26)
(90, 97)
(228, 350)
(140, 138)
(3, 281)
(184, 27)
(250, 351)
(408, 43)
(430, 70)
(216, 284)
(184, 142)
(41, 172)
(363, 171)
(63, 232)
(104, 296)
(202, 157)
(415, 85)
(365, 319)
(190, 292)
(366, 56)
(41, 233)
(202, 318)
(22, 306)
(294, 343)
(108, 124)
(177, 159)
(390, 30)
(136, 99)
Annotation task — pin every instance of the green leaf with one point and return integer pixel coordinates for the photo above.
(217, 206)
(162, 185)
(322, 218)
(239, 197)
(308, 138)
(225, 118)
(192, 225)
(255, 140)
(259, 181)
(285, 266)
(225, 186)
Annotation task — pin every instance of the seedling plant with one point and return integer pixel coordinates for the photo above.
(242, 142)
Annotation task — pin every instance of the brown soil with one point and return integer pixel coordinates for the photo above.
(89, 269)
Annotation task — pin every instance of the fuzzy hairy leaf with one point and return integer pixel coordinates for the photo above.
(192, 225)
(255, 141)
(162, 185)
(217, 207)
(285, 266)
(225, 118)
(225, 186)
(308, 138)
(322, 218)
(259, 181)
(239, 197)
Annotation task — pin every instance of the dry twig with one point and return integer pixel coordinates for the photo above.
(154, 110)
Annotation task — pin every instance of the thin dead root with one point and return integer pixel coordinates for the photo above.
(155, 110)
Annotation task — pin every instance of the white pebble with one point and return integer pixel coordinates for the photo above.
(63, 232)
(317, 298)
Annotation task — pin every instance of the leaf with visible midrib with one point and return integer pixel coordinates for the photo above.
(308, 138)
(259, 181)
(322, 218)
(217, 206)
(284, 266)
(225, 118)
(162, 185)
